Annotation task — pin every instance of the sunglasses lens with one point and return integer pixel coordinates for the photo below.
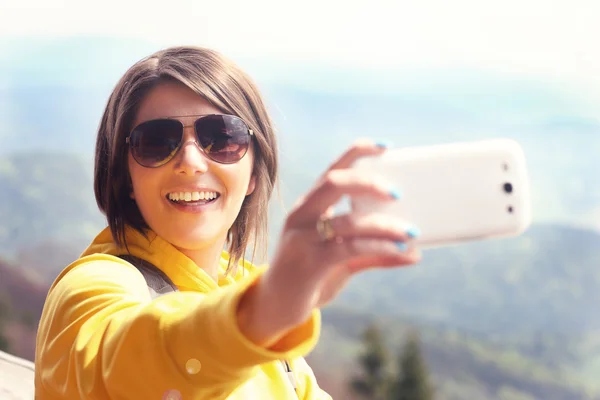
(225, 138)
(155, 142)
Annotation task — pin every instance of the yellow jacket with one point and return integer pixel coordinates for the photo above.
(101, 336)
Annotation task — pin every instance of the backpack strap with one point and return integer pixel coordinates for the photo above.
(159, 283)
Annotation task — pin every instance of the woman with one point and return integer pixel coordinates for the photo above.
(185, 165)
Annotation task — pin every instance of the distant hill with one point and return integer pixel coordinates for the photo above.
(46, 196)
(22, 299)
(531, 299)
(318, 112)
(546, 280)
(462, 366)
(503, 319)
(21, 294)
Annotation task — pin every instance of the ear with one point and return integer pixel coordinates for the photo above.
(251, 185)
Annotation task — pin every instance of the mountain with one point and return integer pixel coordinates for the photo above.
(319, 112)
(46, 196)
(21, 302)
(461, 366)
(528, 303)
(20, 293)
(502, 319)
(314, 128)
(543, 281)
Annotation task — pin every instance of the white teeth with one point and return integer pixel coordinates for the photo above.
(192, 196)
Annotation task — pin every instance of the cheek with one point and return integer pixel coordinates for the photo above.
(142, 181)
(243, 177)
(236, 181)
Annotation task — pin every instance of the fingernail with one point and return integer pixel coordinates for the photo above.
(402, 246)
(382, 144)
(395, 194)
(413, 232)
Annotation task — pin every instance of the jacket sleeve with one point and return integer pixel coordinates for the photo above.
(101, 336)
(309, 388)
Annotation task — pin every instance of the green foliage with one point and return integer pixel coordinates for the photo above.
(381, 380)
(4, 344)
(375, 379)
(460, 366)
(499, 319)
(4, 316)
(412, 380)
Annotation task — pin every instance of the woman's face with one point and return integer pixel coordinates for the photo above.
(188, 225)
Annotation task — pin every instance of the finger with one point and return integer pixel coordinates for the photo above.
(361, 148)
(373, 226)
(363, 254)
(334, 186)
(329, 213)
(364, 262)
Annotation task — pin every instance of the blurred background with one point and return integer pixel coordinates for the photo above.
(504, 319)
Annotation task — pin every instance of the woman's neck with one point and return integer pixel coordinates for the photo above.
(207, 258)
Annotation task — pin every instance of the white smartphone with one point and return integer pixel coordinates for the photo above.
(457, 192)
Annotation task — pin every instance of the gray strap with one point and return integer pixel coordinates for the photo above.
(158, 282)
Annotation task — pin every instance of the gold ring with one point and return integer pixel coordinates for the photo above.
(324, 229)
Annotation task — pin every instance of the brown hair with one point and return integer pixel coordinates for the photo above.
(224, 85)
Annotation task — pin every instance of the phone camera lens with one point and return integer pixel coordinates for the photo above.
(508, 188)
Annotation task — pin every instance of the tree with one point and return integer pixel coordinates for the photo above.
(374, 381)
(4, 345)
(412, 380)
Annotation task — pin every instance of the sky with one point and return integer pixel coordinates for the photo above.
(534, 60)
(548, 40)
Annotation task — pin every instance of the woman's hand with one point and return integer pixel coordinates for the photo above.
(318, 253)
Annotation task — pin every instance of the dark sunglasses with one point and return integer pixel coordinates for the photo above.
(223, 138)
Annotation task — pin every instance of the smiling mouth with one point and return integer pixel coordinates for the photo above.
(193, 198)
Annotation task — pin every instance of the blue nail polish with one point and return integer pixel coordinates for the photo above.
(383, 145)
(402, 246)
(413, 232)
(395, 194)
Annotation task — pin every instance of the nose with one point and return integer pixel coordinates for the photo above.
(190, 159)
